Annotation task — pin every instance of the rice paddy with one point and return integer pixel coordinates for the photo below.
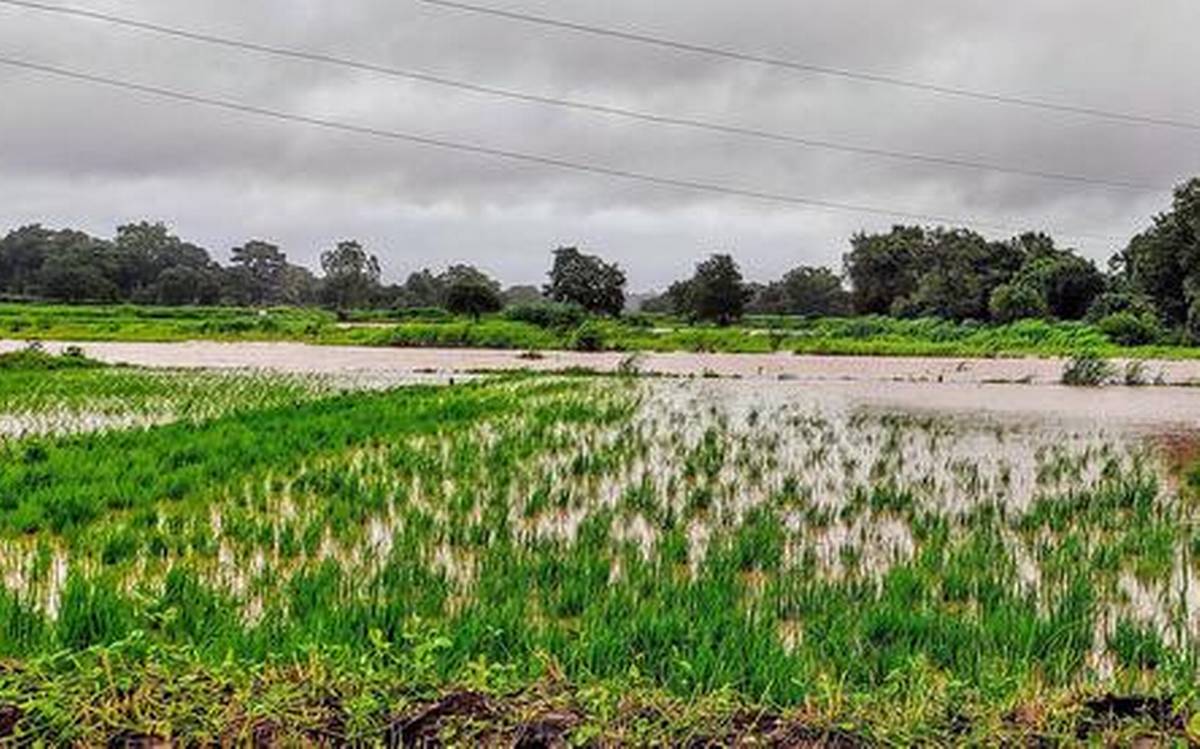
(592, 560)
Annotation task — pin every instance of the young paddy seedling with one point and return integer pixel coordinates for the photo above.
(678, 540)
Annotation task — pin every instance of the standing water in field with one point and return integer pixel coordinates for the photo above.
(762, 536)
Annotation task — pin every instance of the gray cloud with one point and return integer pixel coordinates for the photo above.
(76, 154)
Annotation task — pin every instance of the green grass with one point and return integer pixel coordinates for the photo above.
(42, 394)
(659, 563)
(34, 360)
(871, 336)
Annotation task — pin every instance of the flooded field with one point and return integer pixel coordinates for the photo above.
(297, 357)
(1016, 388)
(1004, 546)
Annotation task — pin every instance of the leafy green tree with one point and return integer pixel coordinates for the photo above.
(814, 292)
(424, 289)
(948, 273)
(143, 250)
(74, 270)
(587, 281)
(22, 252)
(957, 272)
(717, 292)
(1121, 297)
(180, 285)
(1163, 262)
(351, 276)
(1069, 283)
(882, 268)
(261, 268)
(766, 299)
(1017, 301)
(523, 295)
(676, 300)
(469, 291)
(298, 286)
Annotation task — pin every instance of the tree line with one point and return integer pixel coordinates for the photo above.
(1149, 292)
(1150, 289)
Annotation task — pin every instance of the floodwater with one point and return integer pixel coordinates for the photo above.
(987, 388)
(800, 437)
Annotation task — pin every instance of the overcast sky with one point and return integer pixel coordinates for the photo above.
(76, 154)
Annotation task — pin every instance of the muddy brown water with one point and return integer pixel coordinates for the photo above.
(1023, 388)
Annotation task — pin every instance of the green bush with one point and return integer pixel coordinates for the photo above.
(428, 314)
(1111, 302)
(588, 337)
(34, 358)
(1130, 329)
(1012, 302)
(547, 314)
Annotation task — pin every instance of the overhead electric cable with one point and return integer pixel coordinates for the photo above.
(552, 161)
(576, 104)
(809, 67)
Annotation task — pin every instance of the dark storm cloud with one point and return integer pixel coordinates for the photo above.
(74, 153)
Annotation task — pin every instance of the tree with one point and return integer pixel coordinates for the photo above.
(717, 292)
(1163, 262)
(588, 281)
(351, 275)
(957, 272)
(680, 298)
(22, 252)
(1017, 301)
(144, 250)
(1069, 283)
(1072, 285)
(424, 289)
(261, 268)
(74, 269)
(514, 295)
(180, 285)
(676, 300)
(469, 291)
(882, 268)
(298, 286)
(815, 292)
(767, 299)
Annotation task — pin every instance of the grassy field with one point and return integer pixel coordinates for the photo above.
(851, 336)
(601, 559)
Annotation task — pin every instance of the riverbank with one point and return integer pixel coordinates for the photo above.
(859, 336)
(311, 358)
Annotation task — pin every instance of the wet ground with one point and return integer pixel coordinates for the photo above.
(1005, 388)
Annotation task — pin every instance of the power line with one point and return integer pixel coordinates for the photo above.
(732, 54)
(565, 164)
(575, 104)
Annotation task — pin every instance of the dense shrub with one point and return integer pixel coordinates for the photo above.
(34, 358)
(1112, 302)
(588, 337)
(547, 314)
(1130, 329)
(428, 314)
(1012, 302)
